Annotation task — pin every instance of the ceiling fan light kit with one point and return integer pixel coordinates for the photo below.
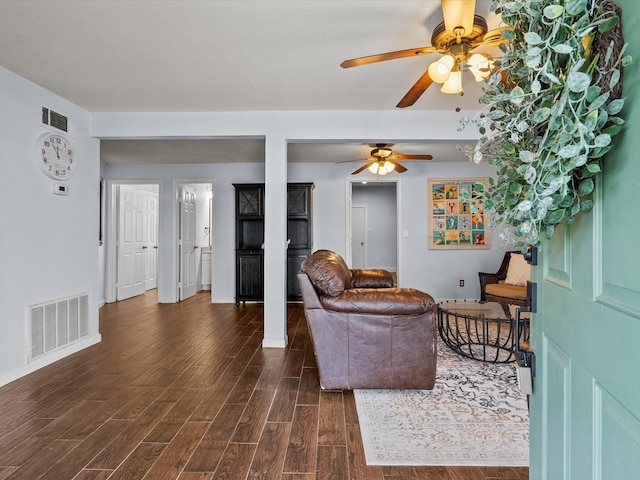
(381, 167)
(384, 161)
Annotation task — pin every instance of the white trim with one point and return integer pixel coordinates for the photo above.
(49, 359)
(275, 342)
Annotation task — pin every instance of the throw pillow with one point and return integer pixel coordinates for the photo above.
(519, 271)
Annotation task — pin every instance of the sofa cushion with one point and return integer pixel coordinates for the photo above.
(505, 290)
(327, 271)
(370, 278)
(380, 301)
(519, 270)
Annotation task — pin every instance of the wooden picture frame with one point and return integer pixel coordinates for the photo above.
(457, 218)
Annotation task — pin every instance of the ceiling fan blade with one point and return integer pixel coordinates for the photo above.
(364, 167)
(413, 157)
(458, 13)
(416, 91)
(380, 57)
(398, 168)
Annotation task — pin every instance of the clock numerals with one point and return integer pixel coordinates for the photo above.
(56, 156)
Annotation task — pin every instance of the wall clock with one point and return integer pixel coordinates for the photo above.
(56, 156)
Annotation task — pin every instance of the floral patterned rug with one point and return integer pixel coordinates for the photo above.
(475, 415)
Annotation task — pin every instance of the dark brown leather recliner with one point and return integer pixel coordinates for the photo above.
(367, 334)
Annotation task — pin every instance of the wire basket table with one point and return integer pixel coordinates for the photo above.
(483, 331)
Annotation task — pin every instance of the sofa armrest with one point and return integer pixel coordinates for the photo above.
(370, 278)
(380, 301)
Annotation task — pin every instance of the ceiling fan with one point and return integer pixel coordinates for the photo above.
(461, 32)
(384, 161)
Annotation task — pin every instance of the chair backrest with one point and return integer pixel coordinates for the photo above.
(328, 272)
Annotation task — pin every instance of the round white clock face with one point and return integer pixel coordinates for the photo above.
(56, 156)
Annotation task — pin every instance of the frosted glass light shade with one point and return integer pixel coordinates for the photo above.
(453, 83)
(458, 13)
(380, 168)
(389, 167)
(480, 66)
(439, 71)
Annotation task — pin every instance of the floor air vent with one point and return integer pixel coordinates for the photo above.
(57, 324)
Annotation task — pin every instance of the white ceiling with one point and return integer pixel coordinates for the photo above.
(225, 55)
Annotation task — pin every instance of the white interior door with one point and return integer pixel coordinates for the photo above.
(187, 242)
(151, 241)
(131, 254)
(358, 236)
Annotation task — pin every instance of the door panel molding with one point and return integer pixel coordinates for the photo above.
(558, 258)
(556, 383)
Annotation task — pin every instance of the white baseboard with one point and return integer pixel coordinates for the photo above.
(275, 342)
(52, 358)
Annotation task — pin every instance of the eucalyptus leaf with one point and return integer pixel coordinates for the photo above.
(608, 24)
(586, 187)
(532, 38)
(554, 216)
(517, 95)
(615, 106)
(575, 7)
(615, 78)
(598, 102)
(578, 81)
(563, 48)
(586, 205)
(602, 140)
(569, 151)
(541, 115)
(593, 167)
(526, 156)
(553, 11)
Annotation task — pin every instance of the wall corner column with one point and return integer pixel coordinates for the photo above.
(275, 243)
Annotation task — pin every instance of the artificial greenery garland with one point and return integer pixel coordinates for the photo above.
(552, 110)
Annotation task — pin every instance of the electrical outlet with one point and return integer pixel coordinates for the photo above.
(462, 283)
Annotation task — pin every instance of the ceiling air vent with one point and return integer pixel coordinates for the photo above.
(54, 119)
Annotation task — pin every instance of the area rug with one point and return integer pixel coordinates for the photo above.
(475, 416)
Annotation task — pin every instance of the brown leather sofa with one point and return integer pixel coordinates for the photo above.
(367, 334)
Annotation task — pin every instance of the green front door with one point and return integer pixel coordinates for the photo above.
(585, 409)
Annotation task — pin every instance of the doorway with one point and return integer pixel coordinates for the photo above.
(135, 239)
(194, 238)
(373, 213)
(147, 255)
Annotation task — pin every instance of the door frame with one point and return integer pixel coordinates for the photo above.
(175, 232)
(111, 260)
(364, 233)
(349, 191)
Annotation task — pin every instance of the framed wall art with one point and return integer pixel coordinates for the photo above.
(457, 217)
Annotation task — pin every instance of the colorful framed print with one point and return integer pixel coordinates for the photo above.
(457, 217)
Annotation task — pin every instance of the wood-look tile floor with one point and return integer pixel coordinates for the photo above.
(185, 391)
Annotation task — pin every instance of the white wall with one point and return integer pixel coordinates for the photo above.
(49, 243)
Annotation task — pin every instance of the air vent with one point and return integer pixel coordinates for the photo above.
(56, 324)
(54, 119)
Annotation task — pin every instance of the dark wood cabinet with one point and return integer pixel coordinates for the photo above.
(299, 233)
(250, 238)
